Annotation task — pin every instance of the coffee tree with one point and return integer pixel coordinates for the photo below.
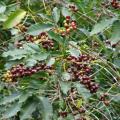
(59, 60)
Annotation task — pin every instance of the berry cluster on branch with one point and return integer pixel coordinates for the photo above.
(80, 70)
(20, 71)
(42, 39)
(21, 28)
(69, 25)
(114, 3)
(73, 8)
(104, 98)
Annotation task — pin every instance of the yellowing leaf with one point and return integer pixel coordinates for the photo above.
(14, 19)
(79, 103)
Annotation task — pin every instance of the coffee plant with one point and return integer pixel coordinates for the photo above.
(59, 60)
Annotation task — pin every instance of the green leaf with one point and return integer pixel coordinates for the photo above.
(3, 17)
(29, 49)
(46, 108)
(73, 49)
(14, 19)
(36, 29)
(102, 25)
(65, 86)
(15, 54)
(74, 52)
(2, 7)
(51, 62)
(9, 99)
(69, 117)
(40, 56)
(84, 31)
(56, 14)
(66, 12)
(82, 90)
(12, 110)
(56, 37)
(44, 16)
(117, 98)
(28, 109)
(24, 96)
(34, 46)
(115, 38)
(66, 76)
(31, 62)
(117, 62)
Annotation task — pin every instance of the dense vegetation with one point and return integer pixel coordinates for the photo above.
(59, 60)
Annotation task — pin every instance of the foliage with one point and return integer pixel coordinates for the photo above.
(59, 60)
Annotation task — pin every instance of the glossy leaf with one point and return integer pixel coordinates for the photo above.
(46, 108)
(2, 7)
(28, 109)
(56, 14)
(36, 29)
(82, 90)
(66, 12)
(115, 38)
(51, 62)
(9, 99)
(12, 110)
(56, 37)
(66, 76)
(102, 25)
(65, 87)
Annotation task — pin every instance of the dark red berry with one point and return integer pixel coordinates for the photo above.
(68, 17)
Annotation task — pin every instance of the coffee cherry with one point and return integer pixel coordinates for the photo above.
(73, 23)
(106, 102)
(82, 110)
(18, 44)
(63, 113)
(82, 118)
(68, 30)
(68, 18)
(66, 26)
(108, 42)
(7, 76)
(114, 45)
(73, 8)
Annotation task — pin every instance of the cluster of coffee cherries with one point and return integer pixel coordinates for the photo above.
(108, 42)
(81, 70)
(18, 44)
(21, 27)
(42, 39)
(8, 76)
(114, 3)
(73, 100)
(20, 71)
(82, 118)
(73, 8)
(65, 113)
(69, 25)
(104, 98)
